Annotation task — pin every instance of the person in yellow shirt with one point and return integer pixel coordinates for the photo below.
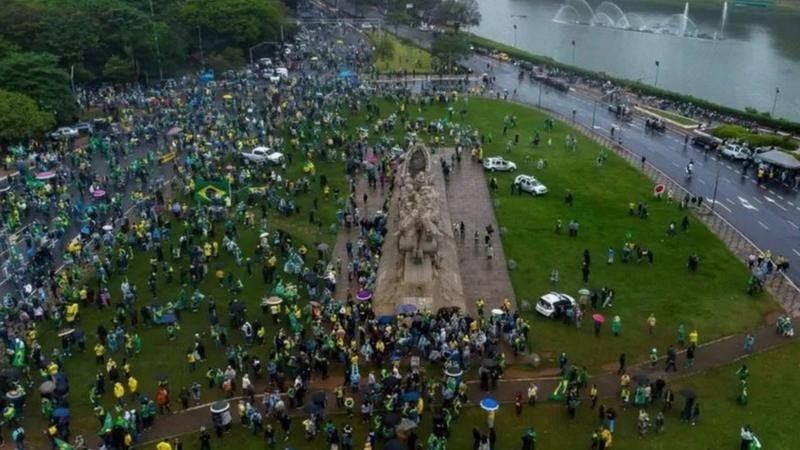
(133, 387)
(163, 445)
(694, 337)
(99, 353)
(119, 391)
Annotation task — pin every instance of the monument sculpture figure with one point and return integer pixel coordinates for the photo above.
(419, 265)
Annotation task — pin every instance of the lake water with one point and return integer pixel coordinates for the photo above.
(759, 53)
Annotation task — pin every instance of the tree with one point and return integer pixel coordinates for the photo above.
(457, 13)
(119, 69)
(38, 76)
(399, 17)
(384, 48)
(228, 58)
(234, 23)
(449, 47)
(21, 119)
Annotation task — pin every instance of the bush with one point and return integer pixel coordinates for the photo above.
(753, 139)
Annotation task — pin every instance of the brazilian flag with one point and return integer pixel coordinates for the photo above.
(61, 445)
(210, 191)
(108, 425)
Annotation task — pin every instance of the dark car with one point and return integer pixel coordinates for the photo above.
(705, 142)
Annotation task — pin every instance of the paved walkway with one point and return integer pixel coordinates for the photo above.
(469, 201)
(375, 198)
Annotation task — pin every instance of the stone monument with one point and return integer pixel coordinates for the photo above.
(419, 265)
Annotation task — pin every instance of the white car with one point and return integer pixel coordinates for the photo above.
(261, 155)
(64, 132)
(735, 151)
(366, 26)
(529, 184)
(553, 304)
(495, 163)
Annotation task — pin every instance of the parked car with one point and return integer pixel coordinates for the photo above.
(529, 184)
(496, 163)
(261, 155)
(705, 142)
(735, 151)
(366, 26)
(63, 132)
(554, 304)
(84, 127)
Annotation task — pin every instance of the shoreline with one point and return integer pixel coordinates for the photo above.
(775, 124)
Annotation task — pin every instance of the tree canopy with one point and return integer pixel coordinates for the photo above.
(21, 118)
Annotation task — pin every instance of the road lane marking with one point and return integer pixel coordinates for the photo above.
(746, 204)
(729, 201)
(774, 203)
(796, 252)
(725, 179)
(701, 181)
(718, 203)
(762, 224)
(793, 224)
(757, 200)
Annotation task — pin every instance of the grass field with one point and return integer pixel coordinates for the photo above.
(712, 299)
(677, 118)
(405, 56)
(769, 413)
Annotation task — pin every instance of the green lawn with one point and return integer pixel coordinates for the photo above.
(753, 139)
(683, 120)
(405, 56)
(770, 413)
(713, 300)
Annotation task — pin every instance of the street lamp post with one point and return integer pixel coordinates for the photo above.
(658, 65)
(775, 102)
(515, 35)
(573, 52)
(716, 183)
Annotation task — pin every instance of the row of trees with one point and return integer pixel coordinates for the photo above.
(48, 45)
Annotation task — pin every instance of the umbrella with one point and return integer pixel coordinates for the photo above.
(168, 318)
(391, 419)
(497, 312)
(453, 371)
(311, 277)
(12, 373)
(489, 404)
(220, 407)
(406, 425)
(315, 304)
(312, 408)
(585, 291)
(641, 379)
(489, 363)
(45, 175)
(273, 301)
(61, 412)
(394, 444)
(47, 387)
(98, 193)
(323, 247)
(173, 131)
(598, 318)
(107, 227)
(688, 393)
(364, 295)
(318, 398)
(406, 308)
(384, 320)
(227, 96)
(411, 396)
